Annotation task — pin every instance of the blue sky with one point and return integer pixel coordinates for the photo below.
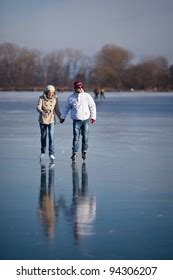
(141, 26)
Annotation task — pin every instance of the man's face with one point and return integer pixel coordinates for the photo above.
(78, 89)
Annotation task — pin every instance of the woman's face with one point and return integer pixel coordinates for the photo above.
(50, 94)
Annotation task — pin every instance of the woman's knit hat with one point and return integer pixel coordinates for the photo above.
(49, 88)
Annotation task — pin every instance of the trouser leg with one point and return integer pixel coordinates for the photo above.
(76, 135)
(85, 134)
(43, 131)
(51, 139)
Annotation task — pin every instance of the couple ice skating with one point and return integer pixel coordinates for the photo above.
(83, 111)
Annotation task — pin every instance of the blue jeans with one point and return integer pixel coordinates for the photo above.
(80, 127)
(44, 128)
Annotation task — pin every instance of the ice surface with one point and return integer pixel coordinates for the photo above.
(119, 205)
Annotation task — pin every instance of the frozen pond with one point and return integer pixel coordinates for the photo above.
(119, 205)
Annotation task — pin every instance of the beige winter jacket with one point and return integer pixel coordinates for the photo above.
(48, 109)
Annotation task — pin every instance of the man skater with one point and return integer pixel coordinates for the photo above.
(83, 110)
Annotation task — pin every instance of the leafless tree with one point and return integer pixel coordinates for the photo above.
(110, 65)
(150, 74)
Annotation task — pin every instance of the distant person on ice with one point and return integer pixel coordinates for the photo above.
(48, 108)
(83, 111)
(96, 93)
(102, 95)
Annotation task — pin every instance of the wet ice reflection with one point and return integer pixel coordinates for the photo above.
(47, 204)
(84, 205)
(82, 211)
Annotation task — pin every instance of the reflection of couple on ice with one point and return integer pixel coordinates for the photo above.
(81, 213)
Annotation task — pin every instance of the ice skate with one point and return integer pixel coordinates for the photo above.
(73, 157)
(84, 156)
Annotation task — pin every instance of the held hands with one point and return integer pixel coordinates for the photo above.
(92, 121)
(62, 120)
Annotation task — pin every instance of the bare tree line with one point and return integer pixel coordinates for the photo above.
(111, 68)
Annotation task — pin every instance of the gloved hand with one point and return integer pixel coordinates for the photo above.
(43, 114)
(62, 120)
(93, 121)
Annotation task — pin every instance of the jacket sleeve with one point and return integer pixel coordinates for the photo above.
(57, 110)
(39, 106)
(92, 108)
(67, 108)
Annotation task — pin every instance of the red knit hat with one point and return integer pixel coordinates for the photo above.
(78, 84)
